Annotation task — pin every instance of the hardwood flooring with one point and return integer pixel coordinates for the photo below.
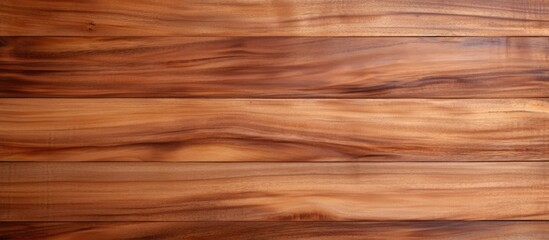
(437, 230)
(108, 191)
(275, 67)
(274, 18)
(280, 119)
(274, 130)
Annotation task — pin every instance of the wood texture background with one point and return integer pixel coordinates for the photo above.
(282, 119)
(437, 230)
(274, 18)
(274, 67)
(273, 130)
(273, 191)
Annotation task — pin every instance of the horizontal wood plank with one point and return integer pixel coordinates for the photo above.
(274, 18)
(107, 191)
(407, 67)
(273, 130)
(436, 230)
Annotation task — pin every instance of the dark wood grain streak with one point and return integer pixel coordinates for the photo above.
(435, 230)
(274, 67)
(128, 191)
(274, 18)
(273, 130)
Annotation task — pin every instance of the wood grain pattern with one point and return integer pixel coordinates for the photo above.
(437, 230)
(119, 191)
(274, 119)
(273, 130)
(274, 67)
(274, 18)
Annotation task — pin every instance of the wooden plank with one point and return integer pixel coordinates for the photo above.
(274, 130)
(407, 67)
(118, 191)
(436, 230)
(274, 18)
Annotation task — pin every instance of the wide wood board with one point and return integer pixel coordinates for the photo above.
(434, 230)
(106, 191)
(274, 18)
(274, 130)
(274, 67)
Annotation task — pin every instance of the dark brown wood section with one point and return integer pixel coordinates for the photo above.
(274, 18)
(273, 191)
(437, 230)
(273, 130)
(274, 67)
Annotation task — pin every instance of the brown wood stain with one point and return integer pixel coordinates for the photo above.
(282, 119)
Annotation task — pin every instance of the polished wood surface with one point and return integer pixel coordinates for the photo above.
(274, 119)
(273, 130)
(274, 18)
(274, 67)
(106, 191)
(437, 230)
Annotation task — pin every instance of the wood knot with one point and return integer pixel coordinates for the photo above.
(91, 26)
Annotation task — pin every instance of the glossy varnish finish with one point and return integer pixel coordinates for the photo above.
(274, 18)
(273, 130)
(121, 191)
(274, 67)
(274, 119)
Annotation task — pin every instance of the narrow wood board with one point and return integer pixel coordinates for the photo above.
(273, 130)
(274, 18)
(274, 67)
(435, 230)
(118, 191)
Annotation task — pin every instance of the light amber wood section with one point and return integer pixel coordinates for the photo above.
(275, 67)
(274, 18)
(273, 130)
(118, 191)
(435, 230)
